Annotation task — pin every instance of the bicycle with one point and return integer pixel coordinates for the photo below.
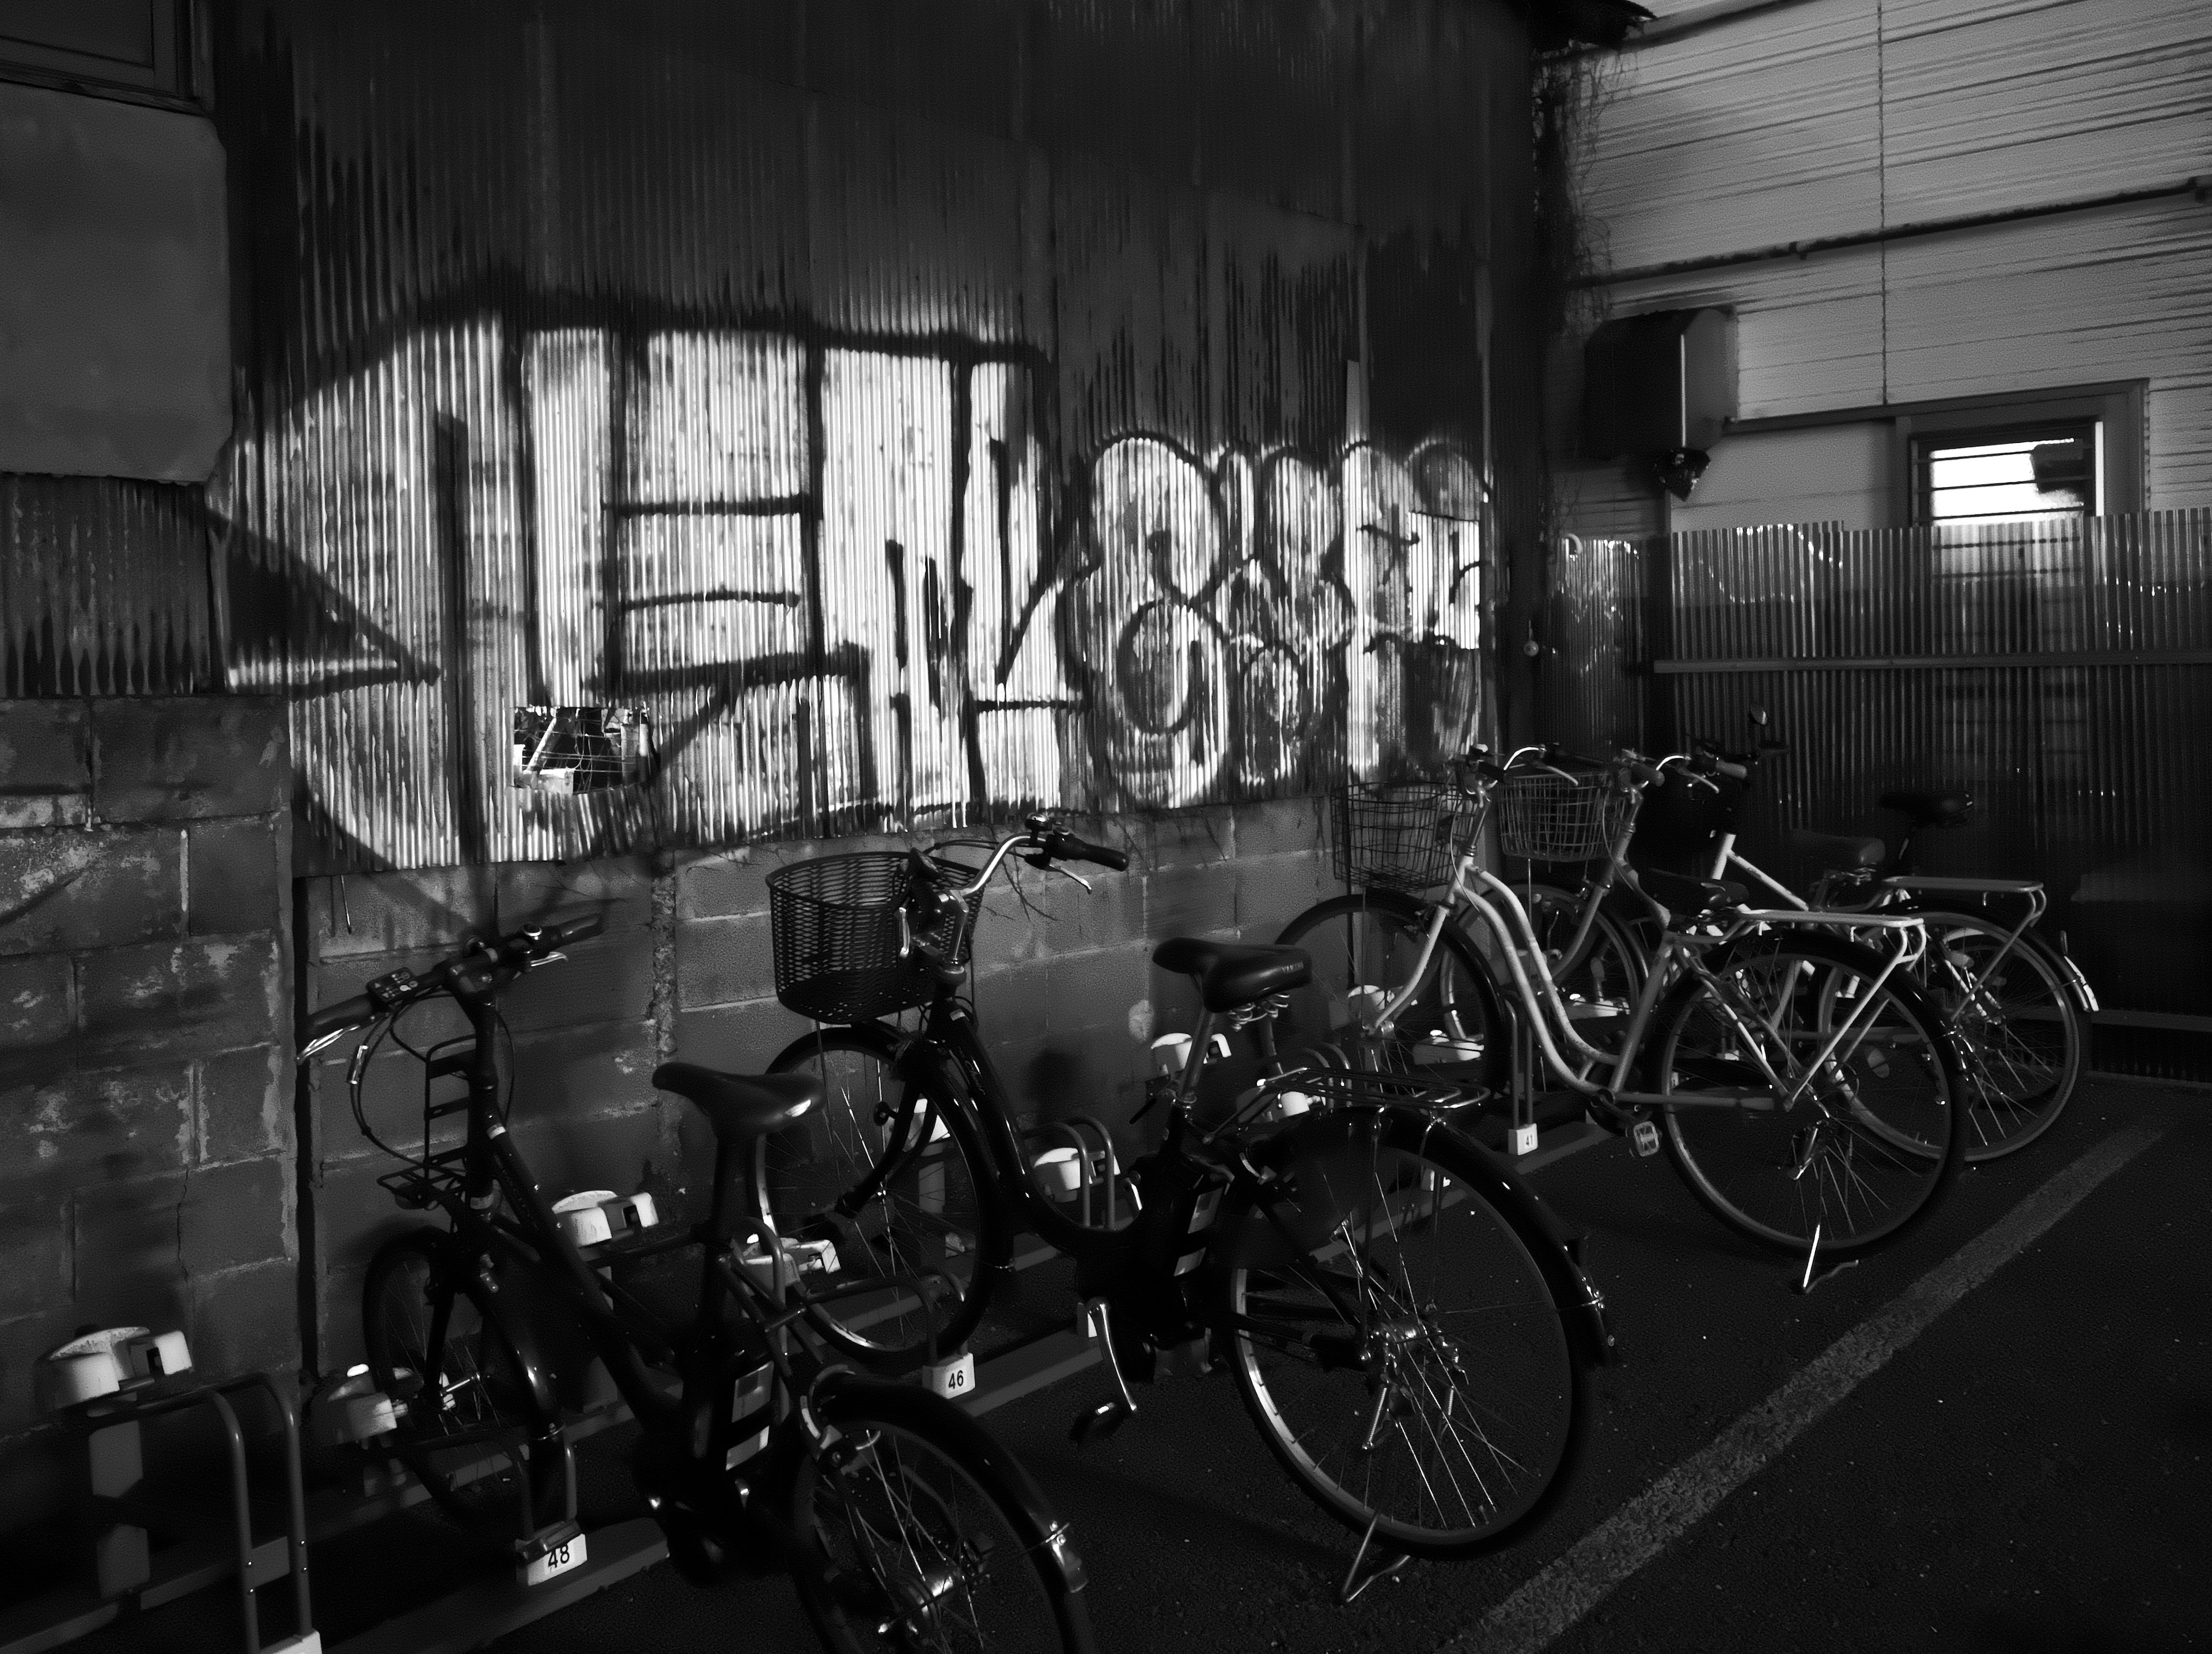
(2018, 1005)
(1800, 1083)
(1408, 1327)
(901, 1523)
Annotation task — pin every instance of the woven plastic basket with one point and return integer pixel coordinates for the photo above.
(1544, 817)
(1397, 834)
(834, 923)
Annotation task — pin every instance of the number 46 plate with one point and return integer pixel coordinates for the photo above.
(542, 1564)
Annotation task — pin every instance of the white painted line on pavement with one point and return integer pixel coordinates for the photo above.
(1546, 1607)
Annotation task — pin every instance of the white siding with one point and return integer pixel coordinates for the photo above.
(1768, 129)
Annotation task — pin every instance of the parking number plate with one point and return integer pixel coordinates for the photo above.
(559, 1559)
(953, 1378)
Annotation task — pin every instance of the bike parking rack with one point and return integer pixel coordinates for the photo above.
(131, 1579)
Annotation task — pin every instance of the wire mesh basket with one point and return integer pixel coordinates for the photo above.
(1543, 816)
(834, 924)
(1399, 835)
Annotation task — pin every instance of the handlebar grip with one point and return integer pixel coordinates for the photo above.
(1647, 773)
(1071, 849)
(335, 1018)
(1733, 771)
(577, 930)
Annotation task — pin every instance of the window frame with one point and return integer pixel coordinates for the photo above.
(1925, 444)
(180, 76)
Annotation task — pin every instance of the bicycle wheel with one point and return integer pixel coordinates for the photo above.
(1364, 947)
(890, 1204)
(1868, 1132)
(1395, 1340)
(918, 1531)
(464, 1443)
(2021, 1033)
(1599, 983)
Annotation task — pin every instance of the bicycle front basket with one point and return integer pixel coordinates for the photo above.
(834, 924)
(1545, 817)
(1394, 835)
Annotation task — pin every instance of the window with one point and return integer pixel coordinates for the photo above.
(142, 50)
(2034, 474)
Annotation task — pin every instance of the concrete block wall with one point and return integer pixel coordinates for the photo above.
(146, 1168)
(684, 969)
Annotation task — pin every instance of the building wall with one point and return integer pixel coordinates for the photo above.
(1838, 118)
(145, 1031)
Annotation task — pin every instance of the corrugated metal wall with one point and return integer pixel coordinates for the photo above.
(936, 406)
(1842, 116)
(2062, 673)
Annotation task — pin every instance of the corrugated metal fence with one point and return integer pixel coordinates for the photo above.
(2062, 673)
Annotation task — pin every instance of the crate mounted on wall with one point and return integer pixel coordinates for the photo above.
(571, 750)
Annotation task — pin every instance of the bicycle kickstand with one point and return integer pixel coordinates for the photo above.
(1815, 1271)
(1102, 1421)
(1388, 1563)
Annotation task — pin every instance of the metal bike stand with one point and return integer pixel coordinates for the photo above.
(131, 1579)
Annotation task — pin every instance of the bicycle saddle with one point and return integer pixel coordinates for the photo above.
(1691, 898)
(741, 1107)
(1228, 976)
(1839, 850)
(1928, 807)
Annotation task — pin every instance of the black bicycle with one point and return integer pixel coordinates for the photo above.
(1409, 1327)
(900, 1521)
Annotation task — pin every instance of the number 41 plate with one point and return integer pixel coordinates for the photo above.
(557, 1559)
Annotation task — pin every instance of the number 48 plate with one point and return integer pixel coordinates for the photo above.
(555, 1559)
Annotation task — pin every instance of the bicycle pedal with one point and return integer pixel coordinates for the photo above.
(1098, 1423)
(1645, 1137)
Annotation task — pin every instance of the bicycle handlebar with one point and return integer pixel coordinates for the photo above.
(468, 970)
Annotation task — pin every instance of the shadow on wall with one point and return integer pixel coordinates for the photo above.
(842, 577)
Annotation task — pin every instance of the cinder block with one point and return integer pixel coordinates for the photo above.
(1271, 890)
(724, 886)
(235, 1215)
(742, 1039)
(1043, 914)
(606, 979)
(1095, 990)
(245, 1100)
(125, 1251)
(1186, 838)
(242, 1319)
(574, 1074)
(64, 891)
(1190, 901)
(723, 961)
(138, 1002)
(30, 1480)
(34, 1010)
(188, 757)
(427, 909)
(619, 1152)
(104, 1125)
(1282, 827)
(34, 1272)
(230, 877)
(46, 764)
(353, 1218)
(618, 892)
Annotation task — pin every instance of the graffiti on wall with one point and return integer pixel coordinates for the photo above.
(851, 582)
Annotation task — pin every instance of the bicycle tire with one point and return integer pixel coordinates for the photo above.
(938, 1212)
(1457, 1021)
(2021, 1033)
(488, 1386)
(1501, 1432)
(918, 1531)
(1780, 1176)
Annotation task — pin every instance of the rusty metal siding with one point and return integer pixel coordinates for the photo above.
(1597, 655)
(103, 588)
(663, 360)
